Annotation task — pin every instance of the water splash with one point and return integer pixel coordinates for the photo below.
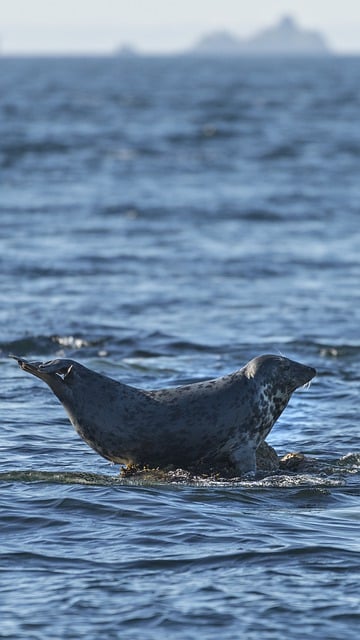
(335, 477)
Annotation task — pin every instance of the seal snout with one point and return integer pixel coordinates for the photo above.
(312, 372)
(303, 375)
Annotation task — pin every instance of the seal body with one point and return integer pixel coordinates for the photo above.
(216, 422)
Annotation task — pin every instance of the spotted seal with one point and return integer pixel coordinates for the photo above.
(220, 421)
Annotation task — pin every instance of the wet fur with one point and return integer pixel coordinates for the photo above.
(217, 422)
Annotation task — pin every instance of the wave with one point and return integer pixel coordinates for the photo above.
(322, 475)
(138, 345)
(44, 345)
(57, 477)
(142, 344)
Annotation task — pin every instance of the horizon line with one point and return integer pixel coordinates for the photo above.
(139, 53)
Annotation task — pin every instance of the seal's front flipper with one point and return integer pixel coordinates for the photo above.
(244, 461)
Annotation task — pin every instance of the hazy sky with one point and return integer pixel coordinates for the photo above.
(40, 26)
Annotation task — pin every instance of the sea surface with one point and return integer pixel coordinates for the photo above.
(162, 221)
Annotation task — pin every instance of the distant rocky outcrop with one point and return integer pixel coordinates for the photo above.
(126, 51)
(218, 43)
(283, 39)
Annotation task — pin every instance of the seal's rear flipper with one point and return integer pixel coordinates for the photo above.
(60, 366)
(53, 372)
(31, 367)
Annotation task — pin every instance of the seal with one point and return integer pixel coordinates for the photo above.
(216, 422)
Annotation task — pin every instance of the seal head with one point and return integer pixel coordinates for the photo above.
(275, 379)
(216, 422)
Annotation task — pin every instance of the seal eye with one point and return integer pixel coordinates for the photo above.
(285, 366)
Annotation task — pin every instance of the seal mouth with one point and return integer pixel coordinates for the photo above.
(308, 374)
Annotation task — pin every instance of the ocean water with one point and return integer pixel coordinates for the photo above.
(163, 221)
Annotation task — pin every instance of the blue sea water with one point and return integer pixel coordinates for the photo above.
(163, 221)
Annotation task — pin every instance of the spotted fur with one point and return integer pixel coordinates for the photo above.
(217, 422)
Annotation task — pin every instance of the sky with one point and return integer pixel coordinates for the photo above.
(160, 26)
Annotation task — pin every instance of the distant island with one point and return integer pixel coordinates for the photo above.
(126, 51)
(285, 38)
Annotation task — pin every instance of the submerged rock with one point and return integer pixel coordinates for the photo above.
(266, 460)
